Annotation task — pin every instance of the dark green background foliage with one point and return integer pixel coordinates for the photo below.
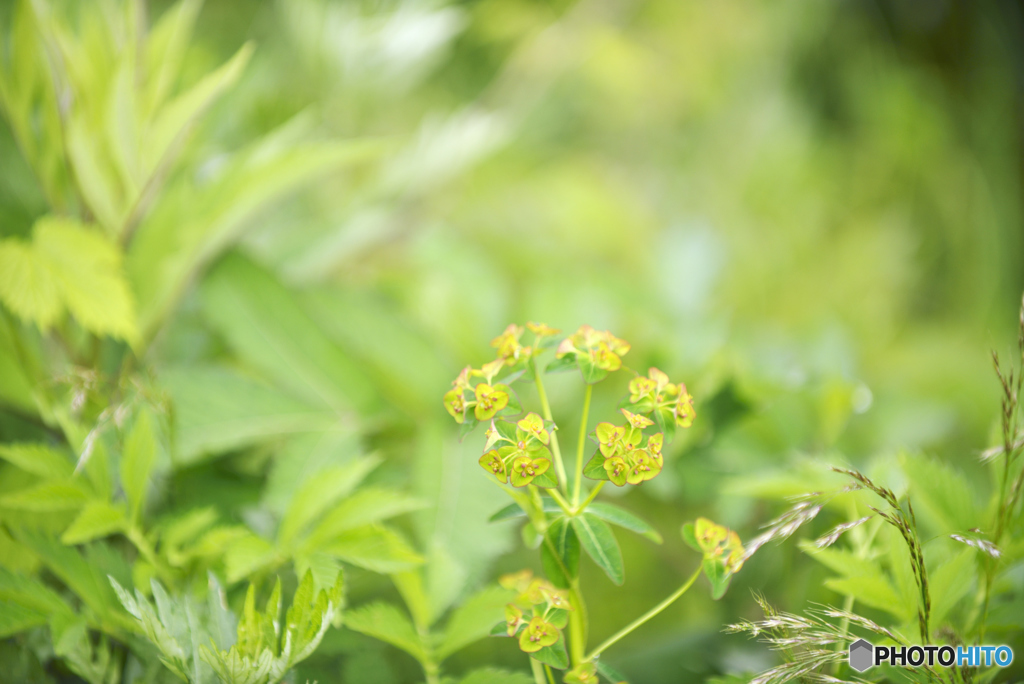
(284, 234)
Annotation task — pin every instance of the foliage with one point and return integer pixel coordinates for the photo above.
(244, 246)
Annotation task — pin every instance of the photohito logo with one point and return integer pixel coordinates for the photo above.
(864, 655)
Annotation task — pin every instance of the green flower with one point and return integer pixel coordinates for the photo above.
(525, 468)
(537, 635)
(493, 463)
(584, 673)
(636, 420)
(455, 404)
(654, 444)
(640, 388)
(617, 470)
(684, 411)
(542, 329)
(489, 401)
(533, 425)
(510, 352)
(609, 437)
(709, 536)
(513, 619)
(641, 467)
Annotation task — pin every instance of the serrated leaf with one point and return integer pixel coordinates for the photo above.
(949, 583)
(55, 495)
(873, 590)
(26, 602)
(942, 496)
(599, 542)
(27, 285)
(264, 324)
(137, 461)
(567, 547)
(97, 519)
(38, 459)
(217, 410)
(375, 548)
(472, 620)
(388, 623)
(367, 506)
(88, 273)
(84, 578)
(319, 493)
(624, 519)
(180, 113)
(248, 554)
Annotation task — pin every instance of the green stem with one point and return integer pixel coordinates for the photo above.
(562, 503)
(593, 493)
(644, 618)
(578, 614)
(538, 672)
(580, 444)
(551, 676)
(546, 410)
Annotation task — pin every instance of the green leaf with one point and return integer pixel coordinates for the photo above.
(27, 285)
(666, 423)
(365, 507)
(513, 511)
(262, 322)
(319, 493)
(217, 410)
(26, 602)
(950, 583)
(190, 225)
(591, 373)
(546, 480)
(388, 623)
(690, 537)
(514, 408)
(942, 497)
(179, 114)
(567, 546)
(625, 519)
(248, 554)
(553, 655)
(97, 519)
(55, 495)
(490, 675)
(714, 570)
(594, 469)
(873, 590)
(600, 544)
(137, 461)
(843, 562)
(87, 269)
(472, 620)
(566, 363)
(610, 673)
(86, 579)
(375, 548)
(38, 459)
(165, 48)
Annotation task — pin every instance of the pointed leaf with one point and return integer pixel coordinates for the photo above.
(599, 542)
(625, 519)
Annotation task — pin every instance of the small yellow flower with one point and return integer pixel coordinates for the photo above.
(537, 635)
(636, 420)
(489, 401)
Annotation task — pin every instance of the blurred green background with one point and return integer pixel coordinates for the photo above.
(811, 213)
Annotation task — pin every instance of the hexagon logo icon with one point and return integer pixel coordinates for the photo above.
(861, 655)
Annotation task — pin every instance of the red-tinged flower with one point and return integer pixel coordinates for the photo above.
(455, 404)
(489, 401)
(493, 463)
(537, 635)
(524, 469)
(617, 470)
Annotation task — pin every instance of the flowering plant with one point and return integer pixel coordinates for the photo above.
(522, 456)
